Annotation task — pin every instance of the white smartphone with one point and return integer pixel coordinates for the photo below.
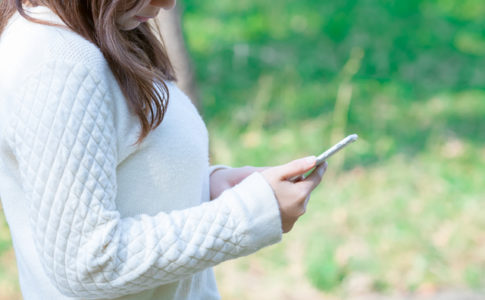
(331, 151)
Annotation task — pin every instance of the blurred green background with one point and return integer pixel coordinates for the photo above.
(400, 211)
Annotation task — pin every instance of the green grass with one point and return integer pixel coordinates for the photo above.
(5, 242)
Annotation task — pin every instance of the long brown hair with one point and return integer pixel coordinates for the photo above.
(137, 57)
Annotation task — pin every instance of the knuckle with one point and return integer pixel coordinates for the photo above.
(309, 188)
(302, 195)
(302, 211)
(316, 182)
(294, 215)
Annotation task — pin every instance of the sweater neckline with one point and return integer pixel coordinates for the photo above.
(43, 13)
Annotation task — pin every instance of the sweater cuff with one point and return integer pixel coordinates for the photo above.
(262, 213)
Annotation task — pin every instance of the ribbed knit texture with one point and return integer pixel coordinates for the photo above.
(92, 216)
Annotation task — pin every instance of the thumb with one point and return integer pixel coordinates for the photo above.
(296, 167)
(261, 169)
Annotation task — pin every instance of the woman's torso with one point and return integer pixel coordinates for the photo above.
(168, 171)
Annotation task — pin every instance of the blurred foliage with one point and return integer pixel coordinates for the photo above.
(402, 213)
(414, 50)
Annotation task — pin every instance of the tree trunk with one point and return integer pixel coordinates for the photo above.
(171, 29)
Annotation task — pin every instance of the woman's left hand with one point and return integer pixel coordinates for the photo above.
(223, 179)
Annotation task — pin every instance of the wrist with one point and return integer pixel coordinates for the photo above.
(214, 168)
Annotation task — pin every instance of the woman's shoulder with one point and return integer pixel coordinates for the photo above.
(24, 45)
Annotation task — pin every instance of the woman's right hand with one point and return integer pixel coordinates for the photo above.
(293, 196)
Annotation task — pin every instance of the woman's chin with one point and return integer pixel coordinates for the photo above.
(130, 25)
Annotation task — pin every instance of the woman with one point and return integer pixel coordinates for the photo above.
(103, 199)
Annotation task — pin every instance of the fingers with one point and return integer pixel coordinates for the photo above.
(314, 178)
(293, 197)
(261, 169)
(296, 167)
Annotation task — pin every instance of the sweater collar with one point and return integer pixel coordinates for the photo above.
(43, 13)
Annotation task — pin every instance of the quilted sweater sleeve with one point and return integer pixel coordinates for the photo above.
(63, 136)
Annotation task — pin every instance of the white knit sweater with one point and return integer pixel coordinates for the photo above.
(92, 216)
